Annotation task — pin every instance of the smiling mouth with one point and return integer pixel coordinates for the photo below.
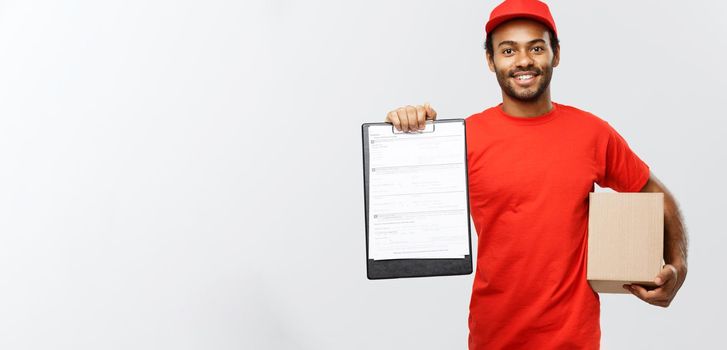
(525, 78)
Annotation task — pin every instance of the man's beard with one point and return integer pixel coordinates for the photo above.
(529, 95)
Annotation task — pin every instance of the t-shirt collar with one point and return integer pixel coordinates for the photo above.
(543, 118)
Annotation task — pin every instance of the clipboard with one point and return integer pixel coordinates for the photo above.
(415, 267)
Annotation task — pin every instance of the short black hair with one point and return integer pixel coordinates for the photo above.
(554, 42)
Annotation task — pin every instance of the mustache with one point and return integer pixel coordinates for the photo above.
(535, 70)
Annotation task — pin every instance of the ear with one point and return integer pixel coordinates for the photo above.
(490, 62)
(556, 57)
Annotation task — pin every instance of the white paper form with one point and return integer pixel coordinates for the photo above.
(418, 193)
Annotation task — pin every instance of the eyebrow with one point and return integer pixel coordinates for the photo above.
(513, 43)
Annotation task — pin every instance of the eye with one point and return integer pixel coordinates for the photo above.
(538, 49)
(507, 52)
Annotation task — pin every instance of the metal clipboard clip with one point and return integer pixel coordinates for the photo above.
(429, 127)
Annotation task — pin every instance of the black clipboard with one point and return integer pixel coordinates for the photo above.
(404, 268)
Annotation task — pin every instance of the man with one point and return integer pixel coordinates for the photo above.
(532, 163)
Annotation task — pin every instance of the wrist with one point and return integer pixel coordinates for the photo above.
(679, 264)
(681, 267)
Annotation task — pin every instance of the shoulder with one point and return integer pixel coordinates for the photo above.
(480, 117)
(580, 114)
(583, 118)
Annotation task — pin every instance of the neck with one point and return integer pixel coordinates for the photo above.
(527, 109)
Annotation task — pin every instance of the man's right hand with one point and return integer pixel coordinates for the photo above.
(411, 118)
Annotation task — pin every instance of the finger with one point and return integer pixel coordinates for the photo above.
(632, 290)
(411, 114)
(667, 273)
(431, 113)
(658, 297)
(421, 116)
(394, 119)
(403, 120)
(648, 296)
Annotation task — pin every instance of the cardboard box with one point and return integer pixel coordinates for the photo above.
(625, 240)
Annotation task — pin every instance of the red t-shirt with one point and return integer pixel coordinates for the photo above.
(529, 180)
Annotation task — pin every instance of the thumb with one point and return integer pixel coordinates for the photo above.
(667, 273)
(431, 113)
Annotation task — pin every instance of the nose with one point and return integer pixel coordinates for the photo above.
(524, 59)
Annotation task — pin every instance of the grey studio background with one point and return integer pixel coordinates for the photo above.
(187, 174)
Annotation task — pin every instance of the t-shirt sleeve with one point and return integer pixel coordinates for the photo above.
(619, 167)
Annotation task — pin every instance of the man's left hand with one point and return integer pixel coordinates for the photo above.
(668, 282)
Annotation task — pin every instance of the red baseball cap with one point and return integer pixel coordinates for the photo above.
(510, 9)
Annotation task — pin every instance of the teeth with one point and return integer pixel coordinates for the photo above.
(523, 77)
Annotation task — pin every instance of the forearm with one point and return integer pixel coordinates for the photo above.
(672, 275)
(675, 235)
